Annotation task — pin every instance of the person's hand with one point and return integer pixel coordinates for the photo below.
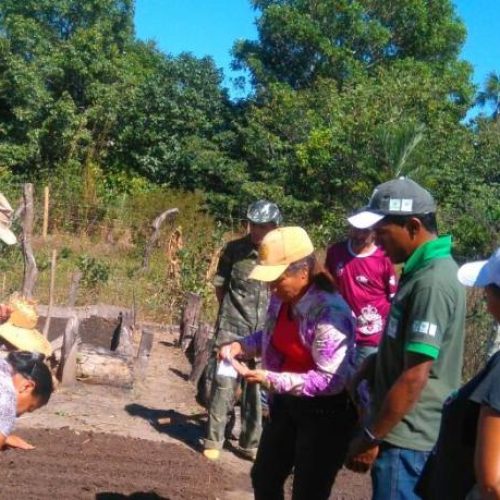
(361, 455)
(18, 442)
(256, 377)
(5, 312)
(230, 351)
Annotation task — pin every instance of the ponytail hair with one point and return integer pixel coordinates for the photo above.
(31, 366)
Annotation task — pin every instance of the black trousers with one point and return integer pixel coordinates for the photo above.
(308, 435)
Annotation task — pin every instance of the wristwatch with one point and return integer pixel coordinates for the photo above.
(370, 437)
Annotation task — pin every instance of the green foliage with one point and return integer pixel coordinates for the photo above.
(302, 41)
(94, 272)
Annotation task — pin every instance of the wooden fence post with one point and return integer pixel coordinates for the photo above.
(30, 269)
(201, 352)
(67, 367)
(45, 212)
(141, 362)
(189, 321)
(168, 214)
(46, 326)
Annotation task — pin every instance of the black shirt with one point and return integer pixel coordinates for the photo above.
(449, 473)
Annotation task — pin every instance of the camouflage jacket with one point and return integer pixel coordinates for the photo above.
(244, 306)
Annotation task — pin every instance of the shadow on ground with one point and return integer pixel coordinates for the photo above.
(189, 429)
(139, 495)
(179, 373)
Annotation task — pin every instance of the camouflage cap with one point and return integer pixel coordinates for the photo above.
(263, 211)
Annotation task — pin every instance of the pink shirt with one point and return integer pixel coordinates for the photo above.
(367, 282)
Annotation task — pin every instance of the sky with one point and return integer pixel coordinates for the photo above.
(210, 27)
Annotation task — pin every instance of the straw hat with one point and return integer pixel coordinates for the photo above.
(25, 339)
(23, 313)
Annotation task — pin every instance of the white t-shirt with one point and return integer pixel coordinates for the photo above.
(8, 399)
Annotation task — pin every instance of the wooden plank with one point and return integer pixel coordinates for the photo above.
(83, 312)
(125, 334)
(45, 212)
(46, 326)
(67, 367)
(142, 359)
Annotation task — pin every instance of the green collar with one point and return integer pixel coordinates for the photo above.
(439, 248)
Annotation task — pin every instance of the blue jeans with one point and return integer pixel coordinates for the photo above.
(396, 473)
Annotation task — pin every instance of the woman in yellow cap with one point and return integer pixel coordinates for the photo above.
(25, 385)
(307, 349)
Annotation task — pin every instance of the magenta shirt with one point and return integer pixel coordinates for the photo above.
(367, 282)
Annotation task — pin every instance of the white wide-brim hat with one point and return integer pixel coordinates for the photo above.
(481, 273)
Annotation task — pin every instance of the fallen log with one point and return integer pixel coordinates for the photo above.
(96, 365)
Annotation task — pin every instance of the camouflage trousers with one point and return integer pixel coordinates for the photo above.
(223, 396)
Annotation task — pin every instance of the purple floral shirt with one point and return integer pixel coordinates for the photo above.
(326, 327)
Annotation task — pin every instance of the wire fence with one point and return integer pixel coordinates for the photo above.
(105, 244)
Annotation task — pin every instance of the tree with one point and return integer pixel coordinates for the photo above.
(301, 41)
(491, 94)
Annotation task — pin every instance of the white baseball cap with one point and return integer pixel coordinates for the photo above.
(481, 273)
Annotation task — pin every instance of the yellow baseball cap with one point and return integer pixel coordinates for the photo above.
(280, 248)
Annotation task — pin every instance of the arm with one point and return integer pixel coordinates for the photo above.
(487, 453)
(249, 347)
(403, 395)
(400, 399)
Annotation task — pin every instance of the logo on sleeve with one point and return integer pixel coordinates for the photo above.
(424, 328)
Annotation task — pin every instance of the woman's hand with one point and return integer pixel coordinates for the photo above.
(256, 377)
(230, 351)
(5, 312)
(17, 442)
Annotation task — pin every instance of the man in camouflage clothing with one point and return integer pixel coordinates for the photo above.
(242, 310)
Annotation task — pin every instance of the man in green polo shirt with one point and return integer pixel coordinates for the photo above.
(419, 361)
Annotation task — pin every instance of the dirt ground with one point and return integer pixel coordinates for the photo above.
(97, 442)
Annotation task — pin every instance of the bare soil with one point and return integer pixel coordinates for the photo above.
(97, 440)
(87, 465)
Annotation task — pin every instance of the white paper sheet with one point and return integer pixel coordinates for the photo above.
(226, 369)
